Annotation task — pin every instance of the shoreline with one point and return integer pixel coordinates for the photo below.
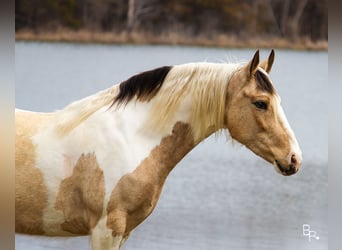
(170, 38)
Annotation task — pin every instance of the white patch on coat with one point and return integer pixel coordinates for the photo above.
(116, 136)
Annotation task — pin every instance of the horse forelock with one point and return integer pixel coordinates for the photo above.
(263, 81)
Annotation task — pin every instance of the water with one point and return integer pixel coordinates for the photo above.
(221, 196)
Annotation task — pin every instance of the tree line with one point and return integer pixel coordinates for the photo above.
(291, 19)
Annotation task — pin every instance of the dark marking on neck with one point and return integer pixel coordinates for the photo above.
(263, 82)
(143, 86)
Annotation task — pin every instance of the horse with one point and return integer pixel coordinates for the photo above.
(98, 166)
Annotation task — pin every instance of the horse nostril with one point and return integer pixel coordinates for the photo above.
(294, 160)
(294, 165)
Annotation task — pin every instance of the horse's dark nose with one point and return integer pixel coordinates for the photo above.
(292, 168)
(294, 165)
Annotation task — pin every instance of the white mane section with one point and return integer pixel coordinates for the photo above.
(203, 86)
(77, 112)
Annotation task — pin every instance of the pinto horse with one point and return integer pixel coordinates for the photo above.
(98, 166)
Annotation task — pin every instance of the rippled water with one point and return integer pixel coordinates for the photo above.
(221, 196)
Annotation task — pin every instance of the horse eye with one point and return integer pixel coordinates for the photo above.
(260, 105)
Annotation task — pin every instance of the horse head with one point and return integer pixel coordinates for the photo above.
(255, 118)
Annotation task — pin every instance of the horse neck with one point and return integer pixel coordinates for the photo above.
(168, 126)
(177, 114)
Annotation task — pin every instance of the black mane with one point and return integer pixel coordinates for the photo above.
(144, 85)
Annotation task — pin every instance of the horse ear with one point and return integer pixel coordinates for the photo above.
(252, 66)
(267, 64)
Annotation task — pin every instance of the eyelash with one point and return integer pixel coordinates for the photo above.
(261, 105)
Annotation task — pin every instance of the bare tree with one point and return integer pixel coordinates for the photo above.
(290, 24)
(138, 10)
(130, 15)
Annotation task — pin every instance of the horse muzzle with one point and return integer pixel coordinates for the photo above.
(290, 168)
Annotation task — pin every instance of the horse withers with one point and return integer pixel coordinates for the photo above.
(97, 167)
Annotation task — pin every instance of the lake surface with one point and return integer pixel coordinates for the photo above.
(220, 196)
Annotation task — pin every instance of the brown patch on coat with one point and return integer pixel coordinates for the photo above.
(136, 194)
(30, 189)
(80, 196)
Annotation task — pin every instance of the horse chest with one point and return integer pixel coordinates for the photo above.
(132, 200)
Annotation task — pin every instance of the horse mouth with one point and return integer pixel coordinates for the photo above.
(286, 171)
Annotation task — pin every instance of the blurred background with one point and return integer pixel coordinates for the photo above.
(235, 23)
(221, 195)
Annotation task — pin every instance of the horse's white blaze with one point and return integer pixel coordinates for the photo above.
(295, 149)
